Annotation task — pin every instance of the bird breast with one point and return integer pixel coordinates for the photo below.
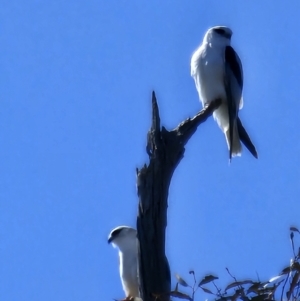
(128, 273)
(211, 73)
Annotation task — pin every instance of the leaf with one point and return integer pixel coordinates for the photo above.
(238, 283)
(255, 287)
(238, 294)
(207, 290)
(260, 297)
(274, 279)
(223, 298)
(180, 295)
(267, 290)
(285, 270)
(294, 229)
(181, 281)
(244, 298)
(207, 279)
(240, 291)
(293, 285)
(296, 266)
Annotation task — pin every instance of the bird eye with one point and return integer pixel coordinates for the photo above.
(220, 31)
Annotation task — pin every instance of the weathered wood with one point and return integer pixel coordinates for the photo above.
(165, 150)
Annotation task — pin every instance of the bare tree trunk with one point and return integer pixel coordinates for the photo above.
(165, 150)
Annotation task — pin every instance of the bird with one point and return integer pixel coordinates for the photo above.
(218, 74)
(125, 239)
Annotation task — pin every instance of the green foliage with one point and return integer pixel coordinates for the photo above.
(284, 287)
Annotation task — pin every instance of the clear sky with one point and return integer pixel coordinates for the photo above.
(76, 80)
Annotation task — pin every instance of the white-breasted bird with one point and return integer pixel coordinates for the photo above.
(218, 74)
(125, 239)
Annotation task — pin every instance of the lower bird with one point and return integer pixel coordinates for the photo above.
(125, 239)
(218, 74)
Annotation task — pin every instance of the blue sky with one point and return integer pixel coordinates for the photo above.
(76, 82)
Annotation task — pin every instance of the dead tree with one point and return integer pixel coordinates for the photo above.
(165, 150)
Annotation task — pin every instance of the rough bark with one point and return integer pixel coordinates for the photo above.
(165, 150)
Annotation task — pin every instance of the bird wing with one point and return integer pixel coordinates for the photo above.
(234, 87)
(233, 81)
(235, 65)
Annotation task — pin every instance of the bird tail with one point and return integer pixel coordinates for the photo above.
(244, 137)
(235, 148)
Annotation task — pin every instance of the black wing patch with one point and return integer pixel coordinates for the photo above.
(232, 66)
(234, 62)
(114, 234)
(220, 31)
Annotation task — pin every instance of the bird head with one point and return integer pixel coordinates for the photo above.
(123, 237)
(218, 33)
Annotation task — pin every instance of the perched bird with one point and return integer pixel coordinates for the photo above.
(125, 239)
(217, 71)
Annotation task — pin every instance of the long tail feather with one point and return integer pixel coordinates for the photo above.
(244, 137)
